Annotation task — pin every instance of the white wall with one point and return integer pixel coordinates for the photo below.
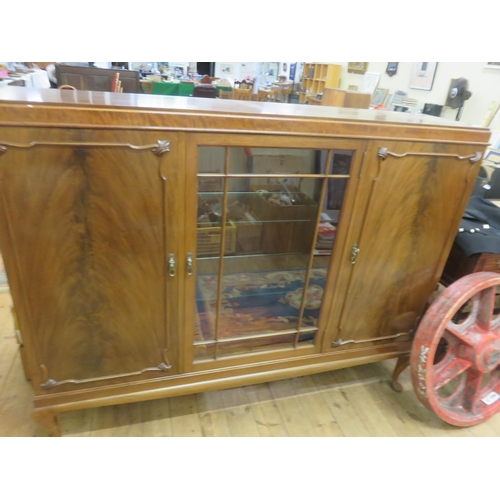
(483, 83)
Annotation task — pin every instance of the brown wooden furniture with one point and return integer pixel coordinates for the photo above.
(345, 99)
(225, 94)
(313, 101)
(318, 76)
(266, 95)
(242, 94)
(100, 79)
(459, 265)
(105, 195)
(244, 84)
(283, 90)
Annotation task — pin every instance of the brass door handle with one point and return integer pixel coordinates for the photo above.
(189, 260)
(354, 254)
(171, 264)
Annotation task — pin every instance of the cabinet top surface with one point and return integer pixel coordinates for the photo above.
(186, 104)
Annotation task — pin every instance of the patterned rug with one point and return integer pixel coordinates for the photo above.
(259, 302)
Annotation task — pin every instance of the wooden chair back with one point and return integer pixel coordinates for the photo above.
(66, 87)
(225, 94)
(266, 95)
(242, 94)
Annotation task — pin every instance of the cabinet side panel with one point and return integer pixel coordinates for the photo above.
(85, 232)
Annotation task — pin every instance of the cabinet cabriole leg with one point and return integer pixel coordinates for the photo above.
(402, 364)
(48, 420)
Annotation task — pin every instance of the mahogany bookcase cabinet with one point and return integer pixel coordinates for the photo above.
(158, 246)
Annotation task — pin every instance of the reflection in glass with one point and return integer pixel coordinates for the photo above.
(274, 206)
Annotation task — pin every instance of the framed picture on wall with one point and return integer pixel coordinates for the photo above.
(357, 67)
(379, 96)
(226, 69)
(422, 76)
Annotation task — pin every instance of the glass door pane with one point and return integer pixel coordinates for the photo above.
(265, 232)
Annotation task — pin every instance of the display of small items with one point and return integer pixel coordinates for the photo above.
(285, 197)
(210, 210)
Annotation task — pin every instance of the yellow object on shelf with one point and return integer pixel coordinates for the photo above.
(208, 240)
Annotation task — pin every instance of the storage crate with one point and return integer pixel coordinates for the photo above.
(208, 240)
(295, 230)
(248, 235)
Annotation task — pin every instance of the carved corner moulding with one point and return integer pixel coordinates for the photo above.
(158, 149)
(384, 153)
(49, 382)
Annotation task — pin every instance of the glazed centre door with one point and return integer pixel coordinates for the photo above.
(87, 258)
(265, 220)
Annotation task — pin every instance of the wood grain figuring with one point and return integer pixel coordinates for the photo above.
(405, 240)
(92, 227)
(57, 108)
(91, 213)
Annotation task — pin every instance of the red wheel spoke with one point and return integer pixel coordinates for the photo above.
(472, 391)
(458, 333)
(449, 372)
(485, 306)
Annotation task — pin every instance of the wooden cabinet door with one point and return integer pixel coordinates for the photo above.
(85, 219)
(413, 197)
(262, 264)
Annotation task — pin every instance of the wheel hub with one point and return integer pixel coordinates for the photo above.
(483, 354)
(490, 356)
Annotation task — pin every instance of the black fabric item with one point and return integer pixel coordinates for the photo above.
(483, 240)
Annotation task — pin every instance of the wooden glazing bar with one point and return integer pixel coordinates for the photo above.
(313, 246)
(258, 336)
(221, 253)
(278, 176)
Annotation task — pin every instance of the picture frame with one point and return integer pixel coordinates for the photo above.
(379, 96)
(423, 74)
(357, 67)
(226, 69)
(392, 68)
(353, 88)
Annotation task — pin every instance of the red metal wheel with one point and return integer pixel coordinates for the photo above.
(455, 362)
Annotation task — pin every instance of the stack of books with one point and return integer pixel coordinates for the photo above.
(326, 235)
(397, 99)
(408, 101)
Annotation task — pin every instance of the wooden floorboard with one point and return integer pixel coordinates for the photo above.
(356, 402)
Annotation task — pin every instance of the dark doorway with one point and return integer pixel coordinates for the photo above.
(205, 68)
